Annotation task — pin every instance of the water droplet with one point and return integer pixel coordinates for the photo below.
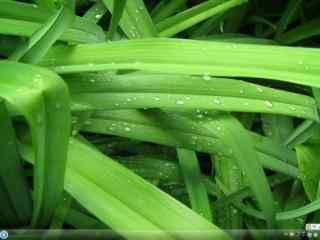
(188, 98)
(157, 98)
(217, 101)
(260, 89)
(98, 16)
(74, 132)
(92, 80)
(127, 129)
(221, 26)
(268, 103)
(180, 102)
(206, 78)
(292, 108)
(241, 91)
(88, 122)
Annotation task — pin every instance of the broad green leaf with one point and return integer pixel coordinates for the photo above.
(86, 171)
(309, 167)
(211, 135)
(42, 98)
(11, 171)
(294, 65)
(142, 90)
(140, 126)
(153, 168)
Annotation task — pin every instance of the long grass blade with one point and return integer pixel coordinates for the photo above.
(294, 65)
(192, 177)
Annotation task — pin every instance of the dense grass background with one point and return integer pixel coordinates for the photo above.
(176, 119)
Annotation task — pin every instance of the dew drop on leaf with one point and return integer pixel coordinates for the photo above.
(268, 103)
(217, 101)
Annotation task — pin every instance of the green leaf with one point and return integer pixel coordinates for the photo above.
(136, 21)
(309, 167)
(118, 8)
(277, 127)
(41, 41)
(166, 9)
(96, 12)
(294, 65)
(11, 171)
(287, 17)
(23, 19)
(86, 171)
(42, 98)
(173, 25)
(192, 177)
(99, 91)
(302, 133)
(307, 30)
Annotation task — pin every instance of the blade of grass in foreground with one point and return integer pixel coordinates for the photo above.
(96, 12)
(42, 98)
(294, 65)
(175, 24)
(99, 91)
(307, 30)
(309, 167)
(137, 125)
(136, 21)
(86, 171)
(22, 19)
(166, 9)
(11, 172)
(118, 8)
(211, 135)
(41, 41)
(192, 177)
(291, 10)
